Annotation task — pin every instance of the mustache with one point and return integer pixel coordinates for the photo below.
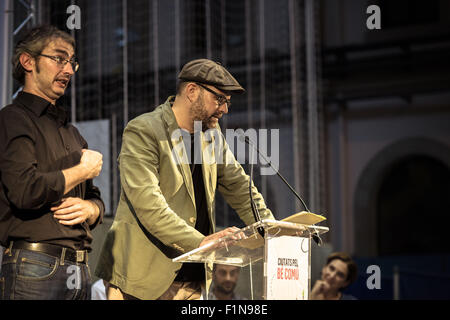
(64, 78)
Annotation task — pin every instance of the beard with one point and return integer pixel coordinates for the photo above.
(226, 287)
(198, 112)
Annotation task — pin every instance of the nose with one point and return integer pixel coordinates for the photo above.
(224, 108)
(328, 274)
(68, 69)
(332, 275)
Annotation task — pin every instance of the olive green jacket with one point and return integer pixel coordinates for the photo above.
(157, 223)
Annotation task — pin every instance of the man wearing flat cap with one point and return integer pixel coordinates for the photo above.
(168, 183)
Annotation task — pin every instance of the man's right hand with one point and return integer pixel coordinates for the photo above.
(215, 236)
(92, 162)
(89, 167)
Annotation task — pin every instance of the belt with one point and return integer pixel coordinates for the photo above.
(80, 256)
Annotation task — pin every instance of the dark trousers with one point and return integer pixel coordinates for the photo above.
(32, 275)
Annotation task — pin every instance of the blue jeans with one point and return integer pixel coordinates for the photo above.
(31, 275)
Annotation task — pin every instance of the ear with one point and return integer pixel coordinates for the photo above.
(27, 61)
(191, 90)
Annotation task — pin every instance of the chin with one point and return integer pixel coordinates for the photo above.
(59, 94)
(212, 124)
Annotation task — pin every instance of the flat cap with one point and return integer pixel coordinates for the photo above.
(212, 73)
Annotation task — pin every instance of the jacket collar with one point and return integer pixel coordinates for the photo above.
(169, 116)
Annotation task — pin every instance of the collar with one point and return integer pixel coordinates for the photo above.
(169, 117)
(58, 113)
(32, 102)
(40, 106)
(168, 114)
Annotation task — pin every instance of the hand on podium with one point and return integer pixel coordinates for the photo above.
(226, 232)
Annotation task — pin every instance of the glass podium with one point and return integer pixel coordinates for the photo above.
(273, 267)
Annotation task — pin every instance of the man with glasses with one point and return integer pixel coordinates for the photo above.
(48, 203)
(166, 205)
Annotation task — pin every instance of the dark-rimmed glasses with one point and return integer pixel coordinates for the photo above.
(221, 99)
(62, 61)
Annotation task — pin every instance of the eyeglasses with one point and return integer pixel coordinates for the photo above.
(221, 99)
(62, 62)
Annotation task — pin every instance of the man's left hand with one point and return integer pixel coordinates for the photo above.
(74, 211)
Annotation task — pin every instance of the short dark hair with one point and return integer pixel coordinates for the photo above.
(351, 265)
(33, 43)
(220, 264)
(181, 84)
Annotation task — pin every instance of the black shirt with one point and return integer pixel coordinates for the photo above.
(196, 271)
(36, 144)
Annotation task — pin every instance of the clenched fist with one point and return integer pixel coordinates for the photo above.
(92, 162)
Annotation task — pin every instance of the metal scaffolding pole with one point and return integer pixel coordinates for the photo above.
(262, 55)
(177, 38)
(125, 62)
(6, 42)
(296, 101)
(73, 86)
(248, 63)
(312, 104)
(208, 29)
(155, 51)
(6, 11)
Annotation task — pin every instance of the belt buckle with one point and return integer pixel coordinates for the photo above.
(81, 255)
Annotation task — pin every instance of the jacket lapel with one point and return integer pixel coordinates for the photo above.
(209, 167)
(178, 148)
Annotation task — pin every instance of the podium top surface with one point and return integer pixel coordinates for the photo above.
(247, 245)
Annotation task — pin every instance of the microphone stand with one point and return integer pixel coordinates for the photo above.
(315, 237)
(247, 140)
(255, 211)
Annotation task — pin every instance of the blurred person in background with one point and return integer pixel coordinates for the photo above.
(339, 272)
(224, 280)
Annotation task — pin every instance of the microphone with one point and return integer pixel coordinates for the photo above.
(244, 138)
